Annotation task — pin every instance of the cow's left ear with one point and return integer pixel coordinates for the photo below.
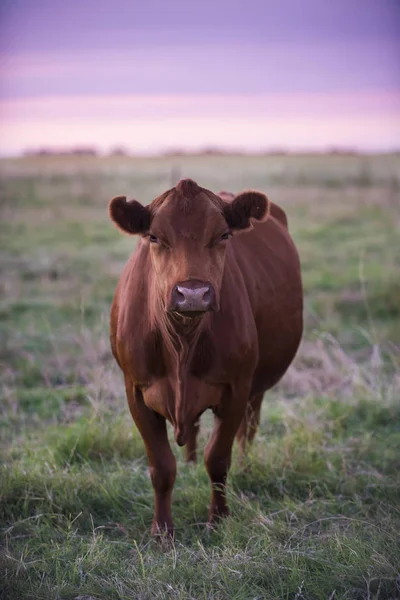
(246, 206)
(131, 217)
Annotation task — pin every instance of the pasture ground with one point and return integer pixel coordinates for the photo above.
(316, 508)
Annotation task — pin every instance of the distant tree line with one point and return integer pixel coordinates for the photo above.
(76, 151)
(180, 152)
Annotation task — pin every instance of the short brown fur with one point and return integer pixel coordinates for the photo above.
(176, 366)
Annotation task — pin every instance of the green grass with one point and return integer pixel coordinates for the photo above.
(315, 506)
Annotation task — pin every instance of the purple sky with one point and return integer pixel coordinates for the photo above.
(339, 51)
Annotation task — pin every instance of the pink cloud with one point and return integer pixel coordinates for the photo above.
(298, 105)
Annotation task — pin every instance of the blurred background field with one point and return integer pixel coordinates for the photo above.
(316, 509)
(300, 100)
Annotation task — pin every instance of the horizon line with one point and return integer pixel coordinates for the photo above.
(120, 151)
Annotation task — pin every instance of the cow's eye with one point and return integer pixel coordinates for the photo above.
(153, 239)
(226, 236)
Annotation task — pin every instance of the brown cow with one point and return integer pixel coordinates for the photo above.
(203, 318)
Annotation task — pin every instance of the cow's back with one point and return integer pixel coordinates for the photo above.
(269, 265)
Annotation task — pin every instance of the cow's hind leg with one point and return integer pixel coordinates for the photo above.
(217, 455)
(250, 422)
(162, 463)
(191, 445)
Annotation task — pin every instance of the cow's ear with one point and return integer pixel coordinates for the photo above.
(131, 217)
(246, 206)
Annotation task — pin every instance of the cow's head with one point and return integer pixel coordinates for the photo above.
(187, 231)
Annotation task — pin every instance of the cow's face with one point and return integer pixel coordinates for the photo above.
(187, 231)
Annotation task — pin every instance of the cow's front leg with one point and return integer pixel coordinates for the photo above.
(217, 455)
(153, 430)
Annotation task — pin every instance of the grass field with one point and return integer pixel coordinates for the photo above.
(316, 509)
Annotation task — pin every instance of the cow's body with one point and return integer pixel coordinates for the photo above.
(176, 365)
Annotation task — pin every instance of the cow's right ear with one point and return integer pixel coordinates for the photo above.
(131, 217)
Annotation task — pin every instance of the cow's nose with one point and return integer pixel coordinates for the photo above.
(192, 297)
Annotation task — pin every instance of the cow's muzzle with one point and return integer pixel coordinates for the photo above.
(192, 297)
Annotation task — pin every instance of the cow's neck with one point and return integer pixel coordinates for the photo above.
(181, 336)
(184, 330)
(185, 340)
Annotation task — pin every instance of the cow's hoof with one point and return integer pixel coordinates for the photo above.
(163, 534)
